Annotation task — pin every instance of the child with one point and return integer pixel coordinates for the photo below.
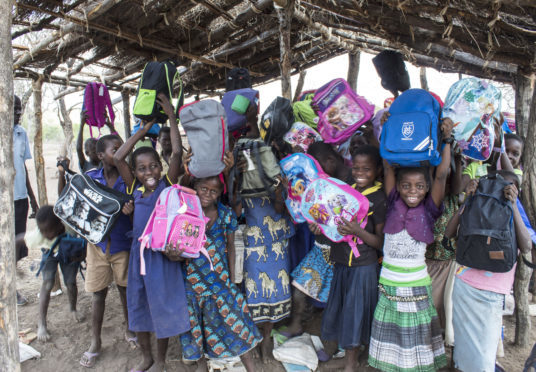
(156, 301)
(90, 148)
(354, 289)
(219, 316)
(107, 262)
(514, 150)
(164, 141)
(49, 228)
(406, 334)
(478, 295)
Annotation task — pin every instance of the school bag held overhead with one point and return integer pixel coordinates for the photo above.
(236, 103)
(276, 120)
(411, 137)
(96, 102)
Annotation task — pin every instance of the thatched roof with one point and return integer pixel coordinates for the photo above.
(490, 39)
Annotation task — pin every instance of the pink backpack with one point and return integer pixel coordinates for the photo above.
(327, 200)
(177, 219)
(96, 101)
(340, 111)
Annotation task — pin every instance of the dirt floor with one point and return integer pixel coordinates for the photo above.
(71, 339)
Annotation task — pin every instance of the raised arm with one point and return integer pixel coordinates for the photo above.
(389, 179)
(442, 170)
(175, 160)
(80, 142)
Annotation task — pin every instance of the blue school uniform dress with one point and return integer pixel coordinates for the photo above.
(300, 244)
(267, 262)
(221, 324)
(156, 302)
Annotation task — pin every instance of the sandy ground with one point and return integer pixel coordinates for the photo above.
(71, 339)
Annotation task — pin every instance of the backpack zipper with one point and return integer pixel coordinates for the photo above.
(223, 136)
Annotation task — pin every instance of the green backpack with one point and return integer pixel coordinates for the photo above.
(303, 111)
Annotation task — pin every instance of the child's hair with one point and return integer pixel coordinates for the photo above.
(321, 150)
(103, 142)
(515, 137)
(45, 215)
(196, 181)
(509, 176)
(144, 150)
(401, 172)
(90, 141)
(164, 130)
(368, 150)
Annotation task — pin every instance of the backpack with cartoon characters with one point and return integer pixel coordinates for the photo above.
(301, 135)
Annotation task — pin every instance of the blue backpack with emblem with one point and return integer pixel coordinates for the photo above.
(411, 137)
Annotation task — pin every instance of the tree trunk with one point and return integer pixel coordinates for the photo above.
(24, 100)
(9, 345)
(126, 113)
(353, 69)
(523, 96)
(424, 80)
(67, 126)
(521, 291)
(38, 143)
(285, 61)
(299, 86)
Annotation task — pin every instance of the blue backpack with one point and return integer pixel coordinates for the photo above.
(411, 137)
(236, 103)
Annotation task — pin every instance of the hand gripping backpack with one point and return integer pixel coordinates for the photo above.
(177, 219)
(96, 101)
(473, 105)
(341, 111)
(236, 103)
(411, 137)
(486, 236)
(206, 128)
(157, 77)
(327, 200)
(300, 170)
(276, 120)
(301, 135)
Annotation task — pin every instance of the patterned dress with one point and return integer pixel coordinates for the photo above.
(267, 262)
(219, 316)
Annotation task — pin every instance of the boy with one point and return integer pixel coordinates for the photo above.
(49, 227)
(90, 147)
(514, 149)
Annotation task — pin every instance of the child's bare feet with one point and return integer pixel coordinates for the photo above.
(131, 338)
(77, 316)
(201, 365)
(145, 365)
(42, 333)
(266, 350)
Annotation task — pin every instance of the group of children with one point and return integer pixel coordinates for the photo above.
(388, 302)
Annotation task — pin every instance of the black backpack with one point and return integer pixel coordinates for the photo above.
(276, 120)
(392, 70)
(157, 77)
(486, 236)
(238, 78)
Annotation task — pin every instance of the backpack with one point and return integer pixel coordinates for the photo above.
(392, 70)
(177, 219)
(300, 170)
(260, 177)
(276, 120)
(327, 200)
(88, 207)
(157, 77)
(341, 111)
(70, 249)
(236, 103)
(411, 137)
(153, 132)
(96, 101)
(237, 78)
(206, 128)
(303, 111)
(301, 135)
(486, 236)
(473, 105)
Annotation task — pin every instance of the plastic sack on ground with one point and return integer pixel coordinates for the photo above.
(297, 350)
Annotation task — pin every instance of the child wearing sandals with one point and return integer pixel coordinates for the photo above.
(406, 334)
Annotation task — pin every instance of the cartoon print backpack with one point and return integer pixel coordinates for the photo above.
(236, 103)
(177, 219)
(301, 135)
(96, 102)
(327, 200)
(300, 170)
(473, 105)
(341, 111)
(411, 137)
(206, 128)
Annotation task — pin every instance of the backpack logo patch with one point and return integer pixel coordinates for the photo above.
(407, 130)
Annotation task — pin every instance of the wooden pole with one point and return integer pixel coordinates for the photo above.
(67, 126)
(9, 344)
(523, 96)
(299, 86)
(424, 80)
(353, 69)
(126, 112)
(38, 143)
(284, 11)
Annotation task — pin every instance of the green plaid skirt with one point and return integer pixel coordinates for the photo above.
(406, 334)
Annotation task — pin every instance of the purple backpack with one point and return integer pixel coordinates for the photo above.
(340, 111)
(96, 101)
(235, 103)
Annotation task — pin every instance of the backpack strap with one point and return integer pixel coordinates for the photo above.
(47, 255)
(108, 103)
(145, 238)
(264, 178)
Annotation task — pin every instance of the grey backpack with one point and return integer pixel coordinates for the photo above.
(205, 125)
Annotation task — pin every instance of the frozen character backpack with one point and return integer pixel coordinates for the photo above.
(206, 128)
(341, 111)
(473, 105)
(300, 170)
(411, 137)
(177, 219)
(236, 103)
(96, 103)
(327, 200)
(301, 135)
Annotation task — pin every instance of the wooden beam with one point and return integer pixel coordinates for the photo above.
(299, 86)
(126, 113)
(39, 159)
(66, 92)
(284, 15)
(523, 96)
(353, 69)
(422, 77)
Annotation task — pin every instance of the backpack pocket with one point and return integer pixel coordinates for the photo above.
(408, 132)
(187, 234)
(158, 236)
(145, 102)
